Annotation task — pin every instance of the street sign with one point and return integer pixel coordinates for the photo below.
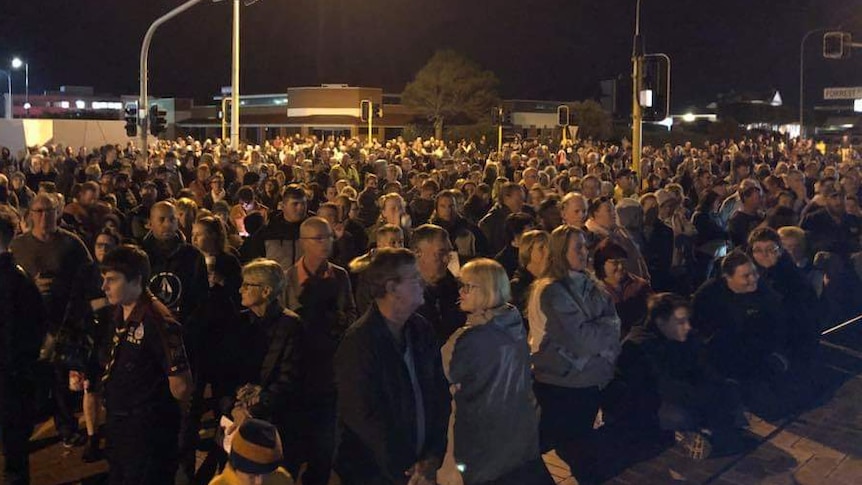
(843, 93)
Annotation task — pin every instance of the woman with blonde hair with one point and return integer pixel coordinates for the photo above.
(574, 339)
(487, 363)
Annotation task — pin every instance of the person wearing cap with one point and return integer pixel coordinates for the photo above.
(255, 455)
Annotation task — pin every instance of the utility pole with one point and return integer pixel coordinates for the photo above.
(234, 90)
(637, 82)
(143, 109)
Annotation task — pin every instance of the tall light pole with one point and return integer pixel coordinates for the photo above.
(8, 108)
(16, 64)
(802, 78)
(637, 81)
(234, 74)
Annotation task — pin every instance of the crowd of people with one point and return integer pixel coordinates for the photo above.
(335, 304)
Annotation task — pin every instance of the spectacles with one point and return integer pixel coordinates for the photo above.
(466, 287)
(319, 238)
(767, 251)
(245, 285)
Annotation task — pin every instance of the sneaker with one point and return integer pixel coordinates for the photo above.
(74, 440)
(697, 446)
(92, 453)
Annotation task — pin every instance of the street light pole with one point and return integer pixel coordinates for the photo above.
(234, 90)
(637, 80)
(802, 80)
(145, 52)
(8, 108)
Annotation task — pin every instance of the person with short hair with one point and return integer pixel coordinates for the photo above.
(487, 363)
(433, 251)
(746, 217)
(510, 200)
(279, 238)
(465, 236)
(628, 292)
(147, 381)
(532, 264)
(388, 236)
(515, 226)
(393, 403)
(602, 223)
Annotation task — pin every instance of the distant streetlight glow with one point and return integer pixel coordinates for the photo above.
(688, 117)
(17, 63)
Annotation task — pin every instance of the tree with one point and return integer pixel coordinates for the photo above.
(449, 87)
(593, 121)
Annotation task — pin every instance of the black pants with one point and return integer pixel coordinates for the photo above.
(318, 438)
(63, 400)
(16, 426)
(568, 413)
(531, 473)
(142, 448)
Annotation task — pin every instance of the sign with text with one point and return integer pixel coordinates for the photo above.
(842, 93)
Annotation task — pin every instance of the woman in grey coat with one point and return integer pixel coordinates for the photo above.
(574, 339)
(487, 362)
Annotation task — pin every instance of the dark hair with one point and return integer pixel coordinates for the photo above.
(110, 232)
(130, 261)
(384, 267)
(8, 223)
(733, 260)
(706, 203)
(294, 191)
(596, 204)
(245, 194)
(606, 251)
(516, 224)
(662, 306)
(508, 189)
(747, 193)
(216, 228)
(762, 234)
(88, 186)
(427, 232)
(253, 222)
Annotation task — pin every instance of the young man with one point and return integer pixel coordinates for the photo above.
(147, 381)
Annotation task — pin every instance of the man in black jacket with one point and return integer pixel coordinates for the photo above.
(431, 245)
(393, 402)
(278, 240)
(22, 329)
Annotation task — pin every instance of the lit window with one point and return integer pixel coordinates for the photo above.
(80, 104)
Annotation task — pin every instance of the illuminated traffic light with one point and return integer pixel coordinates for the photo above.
(131, 117)
(562, 115)
(378, 110)
(837, 45)
(496, 116)
(158, 125)
(365, 107)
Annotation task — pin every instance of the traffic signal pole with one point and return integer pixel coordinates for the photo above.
(143, 102)
(637, 112)
(234, 90)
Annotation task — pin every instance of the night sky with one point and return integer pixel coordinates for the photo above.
(544, 49)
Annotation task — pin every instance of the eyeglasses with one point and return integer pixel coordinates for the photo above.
(466, 287)
(246, 285)
(319, 238)
(766, 251)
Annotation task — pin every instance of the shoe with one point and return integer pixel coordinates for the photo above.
(697, 446)
(92, 453)
(74, 440)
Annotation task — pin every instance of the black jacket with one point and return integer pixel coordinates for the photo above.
(465, 237)
(441, 307)
(178, 277)
(376, 405)
(22, 320)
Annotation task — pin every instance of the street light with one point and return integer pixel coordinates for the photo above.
(8, 108)
(16, 64)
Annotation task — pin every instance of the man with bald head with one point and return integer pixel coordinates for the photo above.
(573, 209)
(320, 293)
(178, 278)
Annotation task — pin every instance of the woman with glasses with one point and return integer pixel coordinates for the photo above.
(575, 341)
(628, 292)
(487, 363)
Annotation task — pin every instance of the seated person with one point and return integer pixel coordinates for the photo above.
(661, 384)
(629, 292)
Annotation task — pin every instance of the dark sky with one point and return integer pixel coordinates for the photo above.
(546, 49)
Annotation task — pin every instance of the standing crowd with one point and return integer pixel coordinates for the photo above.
(338, 306)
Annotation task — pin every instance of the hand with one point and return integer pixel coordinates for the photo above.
(423, 472)
(239, 415)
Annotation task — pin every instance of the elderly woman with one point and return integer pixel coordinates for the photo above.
(629, 292)
(533, 262)
(487, 363)
(263, 352)
(574, 338)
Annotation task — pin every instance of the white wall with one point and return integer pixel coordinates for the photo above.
(18, 134)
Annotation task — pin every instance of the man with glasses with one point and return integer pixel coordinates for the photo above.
(433, 249)
(57, 261)
(320, 292)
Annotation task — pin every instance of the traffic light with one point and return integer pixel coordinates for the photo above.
(837, 45)
(507, 117)
(655, 90)
(496, 116)
(378, 110)
(157, 120)
(365, 107)
(562, 115)
(131, 117)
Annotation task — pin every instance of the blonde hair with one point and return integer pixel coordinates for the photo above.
(558, 246)
(529, 240)
(796, 233)
(492, 282)
(269, 272)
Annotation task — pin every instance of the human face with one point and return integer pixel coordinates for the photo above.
(432, 257)
(765, 253)
(539, 257)
(44, 218)
(253, 291)
(835, 204)
(104, 244)
(118, 290)
(317, 242)
(575, 212)
(591, 188)
(88, 198)
(677, 326)
(163, 222)
(605, 216)
(392, 212)
(295, 209)
(514, 201)
(744, 279)
(614, 271)
(331, 193)
(577, 253)
(446, 208)
(408, 292)
(469, 291)
(390, 240)
(202, 239)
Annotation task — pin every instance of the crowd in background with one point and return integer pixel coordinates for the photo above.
(332, 302)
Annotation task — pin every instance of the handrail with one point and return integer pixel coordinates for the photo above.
(841, 325)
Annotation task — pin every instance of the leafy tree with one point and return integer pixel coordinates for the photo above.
(451, 87)
(593, 121)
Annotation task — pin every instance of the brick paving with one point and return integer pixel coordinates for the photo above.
(820, 446)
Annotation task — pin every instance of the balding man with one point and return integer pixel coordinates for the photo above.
(178, 278)
(573, 209)
(320, 293)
